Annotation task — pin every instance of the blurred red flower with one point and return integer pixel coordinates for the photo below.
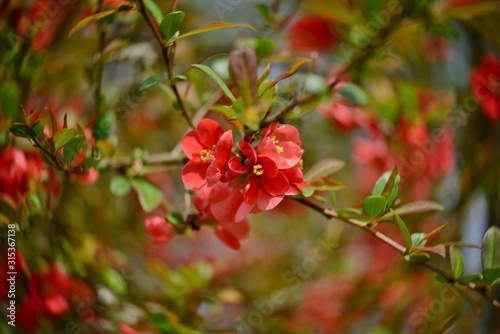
(311, 33)
(485, 85)
(159, 228)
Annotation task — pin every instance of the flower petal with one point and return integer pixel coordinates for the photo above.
(194, 174)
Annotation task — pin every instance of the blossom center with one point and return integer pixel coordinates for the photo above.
(258, 170)
(207, 155)
(275, 141)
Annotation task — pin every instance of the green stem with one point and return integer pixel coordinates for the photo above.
(168, 59)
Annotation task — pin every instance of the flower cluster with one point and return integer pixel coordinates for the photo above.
(231, 183)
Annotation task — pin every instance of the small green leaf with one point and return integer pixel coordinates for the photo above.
(151, 82)
(307, 191)
(215, 26)
(492, 275)
(323, 168)
(325, 184)
(350, 212)
(171, 24)
(175, 218)
(374, 205)
(89, 19)
(38, 130)
(21, 130)
(63, 137)
(354, 93)
(390, 190)
(114, 280)
(71, 149)
(491, 248)
(217, 79)
(120, 185)
(404, 229)
(150, 195)
(414, 208)
(417, 257)
(457, 262)
(264, 12)
(418, 239)
(178, 78)
(154, 9)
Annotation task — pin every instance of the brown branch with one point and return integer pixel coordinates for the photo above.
(331, 214)
(166, 50)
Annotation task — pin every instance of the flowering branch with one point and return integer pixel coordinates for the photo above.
(331, 214)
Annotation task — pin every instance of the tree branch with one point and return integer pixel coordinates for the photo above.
(331, 214)
(168, 62)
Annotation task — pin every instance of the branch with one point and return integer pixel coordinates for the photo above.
(331, 214)
(168, 62)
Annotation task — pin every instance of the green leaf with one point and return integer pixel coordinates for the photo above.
(491, 248)
(374, 205)
(326, 183)
(114, 280)
(307, 191)
(38, 130)
(151, 82)
(63, 137)
(71, 149)
(350, 212)
(154, 9)
(408, 95)
(175, 218)
(414, 208)
(390, 190)
(354, 93)
(21, 130)
(150, 195)
(492, 275)
(217, 79)
(170, 25)
(120, 185)
(264, 12)
(215, 26)
(457, 262)
(418, 239)
(89, 19)
(323, 168)
(404, 229)
(417, 257)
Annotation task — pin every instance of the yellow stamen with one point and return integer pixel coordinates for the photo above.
(279, 149)
(258, 170)
(205, 156)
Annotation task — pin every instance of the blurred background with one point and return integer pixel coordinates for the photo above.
(425, 96)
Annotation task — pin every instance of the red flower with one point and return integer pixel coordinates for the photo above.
(485, 85)
(220, 203)
(282, 144)
(48, 296)
(345, 117)
(21, 171)
(159, 228)
(266, 186)
(207, 146)
(311, 33)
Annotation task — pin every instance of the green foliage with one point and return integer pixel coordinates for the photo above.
(170, 26)
(150, 195)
